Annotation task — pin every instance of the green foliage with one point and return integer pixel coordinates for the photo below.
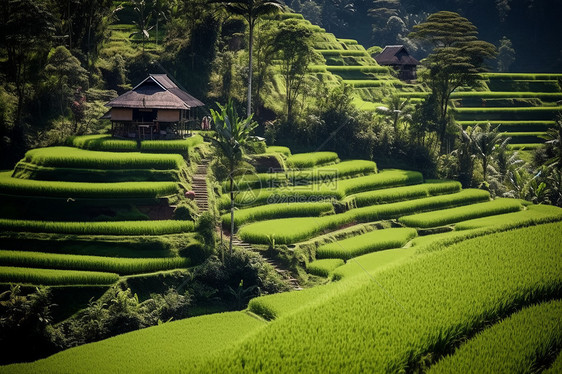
(373, 241)
(531, 337)
(29, 187)
(324, 267)
(455, 61)
(453, 215)
(55, 277)
(103, 228)
(122, 266)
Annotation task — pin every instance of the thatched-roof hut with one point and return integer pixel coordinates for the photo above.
(156, 109)
(398, 58)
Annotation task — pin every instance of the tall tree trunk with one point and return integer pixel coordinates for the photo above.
(251, 48)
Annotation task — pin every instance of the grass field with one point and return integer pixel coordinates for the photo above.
(425, 315)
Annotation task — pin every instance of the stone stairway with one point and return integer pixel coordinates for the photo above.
(279, 267)
(199, 186)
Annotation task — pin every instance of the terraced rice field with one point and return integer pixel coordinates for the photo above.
(102, 188)
(442, 311)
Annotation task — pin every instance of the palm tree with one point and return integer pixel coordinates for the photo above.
(485, 142)
(251, 10)
(232, 134)
(396, 110)
(142, 21)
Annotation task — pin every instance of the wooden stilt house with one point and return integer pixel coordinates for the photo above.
(397, 57)
(155, 109)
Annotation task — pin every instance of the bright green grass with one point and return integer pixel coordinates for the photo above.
(171, 347)
(507, 113)
(522, 76)
(404, 193)
(326, 187)
(25, 170)
(68, 157)
(533, 215)
(378, 334)
(523, 147)
(369, 264)
(384, 179)
(122, 266)
(271, 211)
(102, 143)
(453, 215)
(279, 149)
(323, 174)
(347, 168)
(341, 52)
(52, 277)
(29, 187)
(292, 230)
(410, 311)
(307, 160)
(101, 228)
(376, 240)
(522, 341)
(108, 143)
(507, 95)
(324, 267)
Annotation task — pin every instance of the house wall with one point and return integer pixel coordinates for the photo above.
(121, 114)
(168, 115)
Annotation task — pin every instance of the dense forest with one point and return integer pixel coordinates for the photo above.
(381, 22)
(62, 60)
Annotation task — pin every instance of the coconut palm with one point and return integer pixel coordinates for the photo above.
(485, 142)
(142, 21)
(251, 10)
(232, 134)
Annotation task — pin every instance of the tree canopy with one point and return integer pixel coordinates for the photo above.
(457, 58)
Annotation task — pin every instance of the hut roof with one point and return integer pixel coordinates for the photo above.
(395, 55)
(157, 91)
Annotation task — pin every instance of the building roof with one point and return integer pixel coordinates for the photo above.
(395, 55)
(157, 91)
